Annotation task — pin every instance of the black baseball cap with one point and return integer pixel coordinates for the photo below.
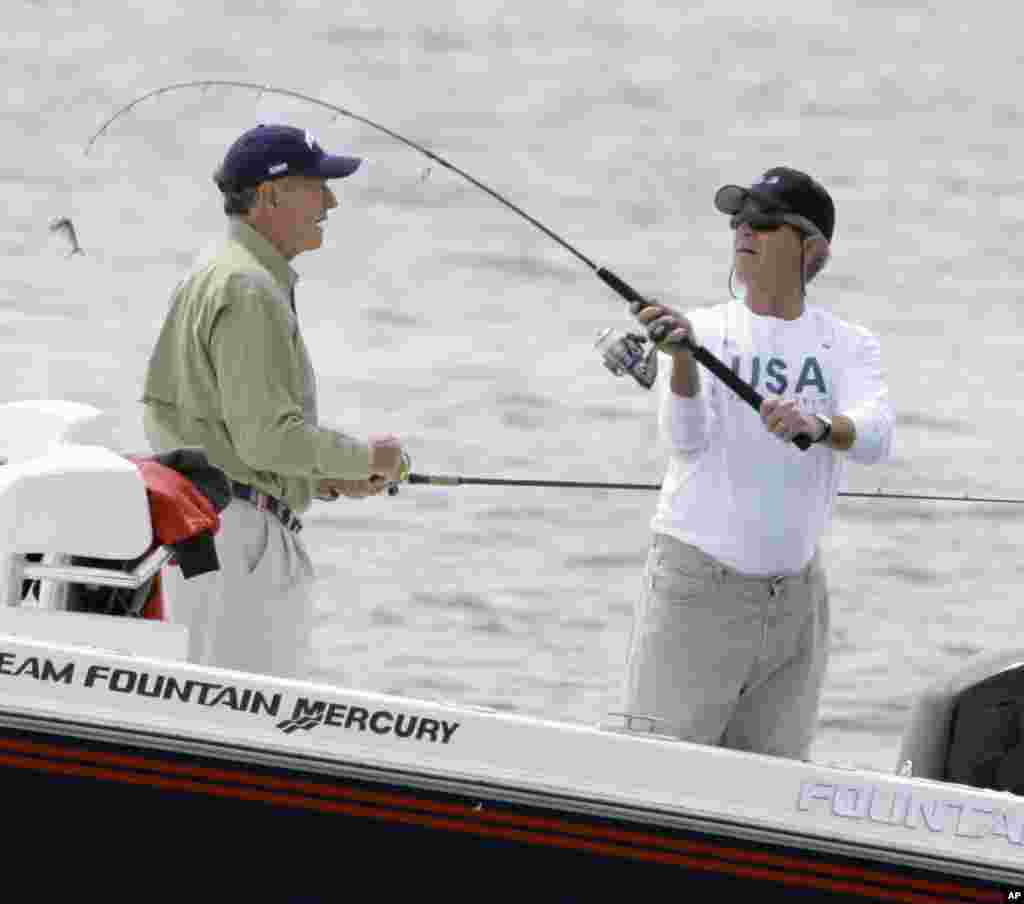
(784, 191)
(272, 151)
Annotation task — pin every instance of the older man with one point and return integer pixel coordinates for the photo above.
(230, 373)
(730, 634)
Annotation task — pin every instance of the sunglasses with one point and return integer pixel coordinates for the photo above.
(768, 220)
(759, 221)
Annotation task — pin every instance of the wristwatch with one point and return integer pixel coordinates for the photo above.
(827, 432)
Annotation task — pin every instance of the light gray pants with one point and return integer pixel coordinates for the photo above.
(718, 657)
(255, 614)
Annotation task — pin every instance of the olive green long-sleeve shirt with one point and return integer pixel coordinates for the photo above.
(230, 373)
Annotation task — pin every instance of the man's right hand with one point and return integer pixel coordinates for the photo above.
(666, 328)
(385, 456)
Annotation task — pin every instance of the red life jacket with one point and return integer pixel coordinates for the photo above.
(183, 518)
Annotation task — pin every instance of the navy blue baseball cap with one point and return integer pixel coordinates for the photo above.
(272, 151)
(788, 192)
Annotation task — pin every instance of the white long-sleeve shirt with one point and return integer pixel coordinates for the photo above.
(731, 488)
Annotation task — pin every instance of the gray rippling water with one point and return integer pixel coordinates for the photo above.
(437, 314)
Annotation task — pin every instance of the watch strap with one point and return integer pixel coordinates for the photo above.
(827, 432)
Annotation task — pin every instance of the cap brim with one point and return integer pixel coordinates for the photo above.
(331, 167)
(731, 198)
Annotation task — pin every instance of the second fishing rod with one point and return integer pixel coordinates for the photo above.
(459, 480)
(705, 358)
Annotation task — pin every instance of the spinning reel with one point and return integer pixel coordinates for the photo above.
(627, 355)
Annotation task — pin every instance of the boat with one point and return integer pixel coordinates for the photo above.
(112, 743)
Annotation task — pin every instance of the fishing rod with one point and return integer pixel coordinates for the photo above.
(453, 480)
(724, 373)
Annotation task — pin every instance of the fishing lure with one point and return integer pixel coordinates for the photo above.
(65, 227)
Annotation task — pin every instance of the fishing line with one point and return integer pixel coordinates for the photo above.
(743, 389)
(339, 111)
(453, 480)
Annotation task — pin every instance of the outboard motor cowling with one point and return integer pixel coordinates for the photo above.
(969, 728)
(986, 749)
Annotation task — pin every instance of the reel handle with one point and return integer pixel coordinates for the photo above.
(392, 487)
(743, 389)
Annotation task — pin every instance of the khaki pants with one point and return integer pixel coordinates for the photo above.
(717, 657)
(255, 614)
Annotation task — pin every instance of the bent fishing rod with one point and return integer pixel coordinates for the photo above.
(453, 480)
(743, 389)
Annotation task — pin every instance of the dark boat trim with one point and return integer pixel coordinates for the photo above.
(485, 810)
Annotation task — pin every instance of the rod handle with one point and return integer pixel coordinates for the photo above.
(743, 389)
(731, 379)
(437, 480)
(620, 286)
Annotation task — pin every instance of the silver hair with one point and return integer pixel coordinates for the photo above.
(807, 229)
(237, 201)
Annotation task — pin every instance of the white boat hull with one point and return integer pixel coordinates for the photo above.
(281, 765)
